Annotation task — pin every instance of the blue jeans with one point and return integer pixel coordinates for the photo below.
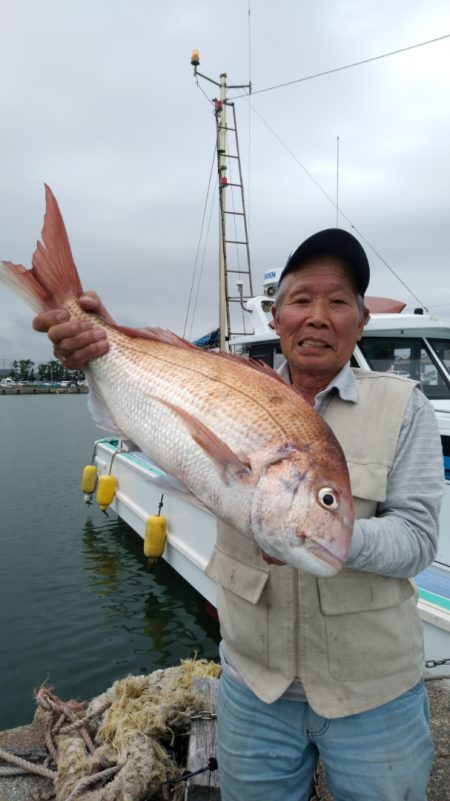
(268, 752)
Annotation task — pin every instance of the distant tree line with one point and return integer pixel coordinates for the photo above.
(53, 371)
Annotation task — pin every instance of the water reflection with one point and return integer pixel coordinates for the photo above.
(157, 613)
(101, 561)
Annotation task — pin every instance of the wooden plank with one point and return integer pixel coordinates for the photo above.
(203, 746)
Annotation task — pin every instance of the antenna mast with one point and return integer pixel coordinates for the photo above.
(223, 159)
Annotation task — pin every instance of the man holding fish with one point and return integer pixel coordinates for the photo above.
(316, 664)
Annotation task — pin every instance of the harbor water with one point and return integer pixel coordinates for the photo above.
(79, 605)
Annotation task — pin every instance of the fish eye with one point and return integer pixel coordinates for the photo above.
(327, 498)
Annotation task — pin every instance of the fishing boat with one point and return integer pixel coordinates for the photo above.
(414, 344)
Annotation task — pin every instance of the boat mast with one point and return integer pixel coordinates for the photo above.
(223, 159)
(221, 114)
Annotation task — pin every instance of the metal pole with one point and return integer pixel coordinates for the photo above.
(222, 162)
(337, 182)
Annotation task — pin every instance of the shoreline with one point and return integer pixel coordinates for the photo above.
(30, 390)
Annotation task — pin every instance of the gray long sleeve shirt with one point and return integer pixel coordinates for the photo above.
(402, 539)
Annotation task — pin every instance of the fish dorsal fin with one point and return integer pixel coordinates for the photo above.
(163, 335)
(216, 449)
(255, 364)
(157, 335)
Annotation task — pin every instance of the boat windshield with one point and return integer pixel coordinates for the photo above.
(412, 357)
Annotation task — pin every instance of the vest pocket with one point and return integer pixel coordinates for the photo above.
(368, 479)
(240, 599)
(243, 580)
(356, 591)
(376, 614)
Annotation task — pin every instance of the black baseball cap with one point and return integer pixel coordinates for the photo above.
(333, 242)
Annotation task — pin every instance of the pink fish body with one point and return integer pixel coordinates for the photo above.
(231, 431)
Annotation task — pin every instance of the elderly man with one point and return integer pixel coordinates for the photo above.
(315, 667)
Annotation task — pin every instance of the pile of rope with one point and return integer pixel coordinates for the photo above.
(117, 748)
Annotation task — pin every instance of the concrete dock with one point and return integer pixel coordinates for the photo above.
(29, 738)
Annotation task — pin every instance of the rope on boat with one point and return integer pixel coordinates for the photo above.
(117, 747)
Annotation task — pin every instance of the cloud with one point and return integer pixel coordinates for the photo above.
(99, 101)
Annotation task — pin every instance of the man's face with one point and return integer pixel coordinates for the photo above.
(319, 320)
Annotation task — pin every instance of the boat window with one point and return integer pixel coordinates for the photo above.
(442, 348)
(411, 358)
(269, 352)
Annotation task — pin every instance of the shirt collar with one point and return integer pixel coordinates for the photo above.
(344, 382)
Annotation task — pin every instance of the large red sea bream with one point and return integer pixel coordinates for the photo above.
(241, 440)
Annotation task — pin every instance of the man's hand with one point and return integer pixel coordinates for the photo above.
(75, 341)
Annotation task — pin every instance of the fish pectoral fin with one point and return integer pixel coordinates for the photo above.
(98, 409)
(215, 448)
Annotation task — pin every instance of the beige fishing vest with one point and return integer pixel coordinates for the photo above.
(354, 640)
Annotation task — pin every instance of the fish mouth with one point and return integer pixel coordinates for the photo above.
(325, 555)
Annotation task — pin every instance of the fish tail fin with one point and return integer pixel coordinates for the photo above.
(53, 277)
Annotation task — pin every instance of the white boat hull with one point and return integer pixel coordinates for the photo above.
(434, 608)
(436, 626)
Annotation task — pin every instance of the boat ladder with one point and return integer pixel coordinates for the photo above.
(234, 243)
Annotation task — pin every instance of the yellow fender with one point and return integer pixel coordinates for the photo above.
(105, 491)
(155, 536)
(89, 479)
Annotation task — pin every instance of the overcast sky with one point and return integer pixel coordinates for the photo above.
(98, 100)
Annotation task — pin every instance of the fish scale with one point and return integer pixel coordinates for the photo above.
(239, 438)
